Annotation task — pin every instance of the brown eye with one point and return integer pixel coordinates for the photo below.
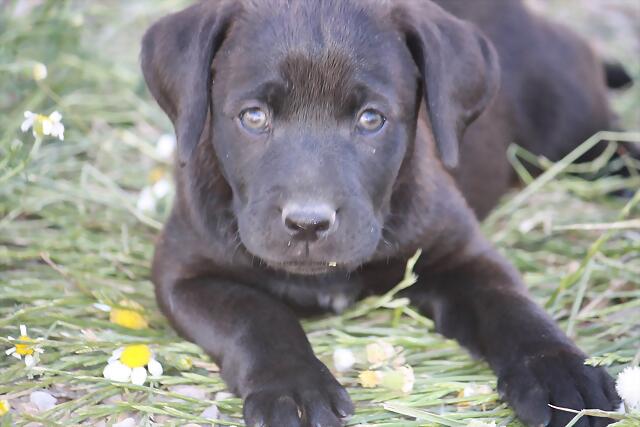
(254, 119)
(371, 121)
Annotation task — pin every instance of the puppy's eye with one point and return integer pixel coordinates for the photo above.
(254, 119)
(371, 121)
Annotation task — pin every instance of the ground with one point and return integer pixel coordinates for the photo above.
(76, 230)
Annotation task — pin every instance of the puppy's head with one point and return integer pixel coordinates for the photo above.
(312, 107)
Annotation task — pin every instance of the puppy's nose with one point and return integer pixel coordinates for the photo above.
(308, 221)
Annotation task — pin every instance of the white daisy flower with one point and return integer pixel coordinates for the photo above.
(165, 147)
(161, 188)
(42, 126)
(27, 348)
(146, 200)
(628, 387)
(39, 71)
(127, 364)
(150, 196)
(343, 359)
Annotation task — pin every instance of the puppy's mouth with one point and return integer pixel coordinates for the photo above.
(307, 268)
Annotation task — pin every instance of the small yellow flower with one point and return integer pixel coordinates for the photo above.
(4, 407)
(184, 363)
(27, 348)
(42, 126)
(128, 319)
(129, 314)
(370, 379)
(128, 364)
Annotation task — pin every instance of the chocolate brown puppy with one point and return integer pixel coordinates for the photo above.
(321, 143)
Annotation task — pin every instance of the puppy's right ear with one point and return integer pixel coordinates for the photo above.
(176, 58)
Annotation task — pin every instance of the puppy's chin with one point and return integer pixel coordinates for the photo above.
(309, 267)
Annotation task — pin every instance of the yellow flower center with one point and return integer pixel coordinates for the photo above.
(4, 407)
(24, 349)
(38, 124)
(156, 175)
(130, 315)
(136, 356)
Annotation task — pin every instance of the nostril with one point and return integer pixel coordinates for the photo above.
(293, 225)
(308, 221)
(322, 225)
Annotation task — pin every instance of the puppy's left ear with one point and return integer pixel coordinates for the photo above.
(459, 67)
(176, 58)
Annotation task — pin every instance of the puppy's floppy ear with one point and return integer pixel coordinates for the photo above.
(176, 57)
(459, 67)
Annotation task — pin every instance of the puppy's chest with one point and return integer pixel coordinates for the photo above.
(326, 294)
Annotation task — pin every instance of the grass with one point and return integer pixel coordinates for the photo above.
(71, 236)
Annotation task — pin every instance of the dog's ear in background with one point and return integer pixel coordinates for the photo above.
(176, 58)
(616, 75)
(459, 67)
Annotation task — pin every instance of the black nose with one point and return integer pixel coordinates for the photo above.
(308, 221)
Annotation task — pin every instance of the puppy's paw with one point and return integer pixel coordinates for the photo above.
(303, 397)
(559, 378)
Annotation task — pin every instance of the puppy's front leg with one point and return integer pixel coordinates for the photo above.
(263, 353)
(479, 300)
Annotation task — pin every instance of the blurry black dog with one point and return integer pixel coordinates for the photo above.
(321, 143)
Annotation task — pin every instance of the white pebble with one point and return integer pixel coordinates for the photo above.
(127, 422)
(43, 400)
(211, 412)
(223, 395)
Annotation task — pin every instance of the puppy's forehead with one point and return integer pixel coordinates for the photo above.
(319, 47)
(312, 25)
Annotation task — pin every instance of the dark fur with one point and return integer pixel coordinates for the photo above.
(456, 93)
